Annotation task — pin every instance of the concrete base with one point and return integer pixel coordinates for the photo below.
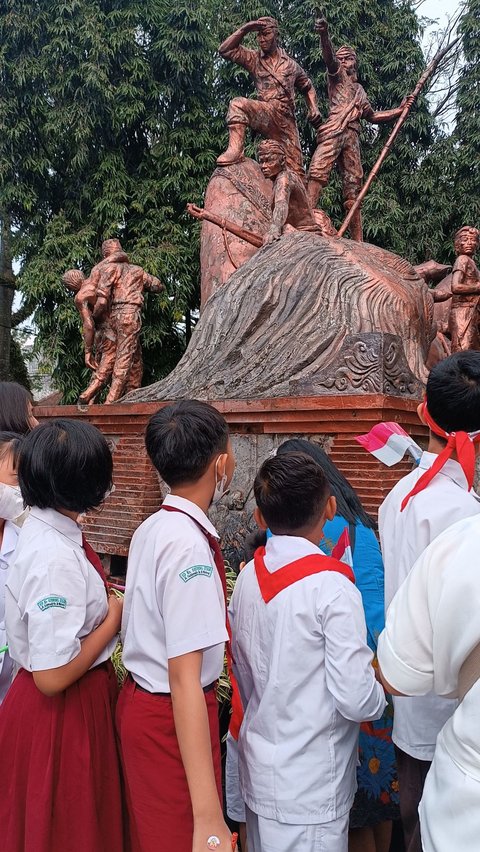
(257, 427)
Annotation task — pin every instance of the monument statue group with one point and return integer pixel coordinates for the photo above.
(288, 307)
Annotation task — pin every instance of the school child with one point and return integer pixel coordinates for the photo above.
(11, 507)
(303, 667)
(58, 760)
(437, 608)
(423, 504)
(174, 630)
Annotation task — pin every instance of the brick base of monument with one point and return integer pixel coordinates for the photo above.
(256, 426)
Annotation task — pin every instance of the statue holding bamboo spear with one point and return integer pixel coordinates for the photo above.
(338, 137)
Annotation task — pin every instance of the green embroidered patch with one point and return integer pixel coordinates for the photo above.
(52, 601)
(196, 571)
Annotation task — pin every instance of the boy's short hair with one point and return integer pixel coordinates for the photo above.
(291, 491)
(182, 438)
(453, 392)
(65, 464)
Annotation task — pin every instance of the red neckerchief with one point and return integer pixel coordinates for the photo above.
(461, 443)
(236, 701)
(94, 560)
(272, 583)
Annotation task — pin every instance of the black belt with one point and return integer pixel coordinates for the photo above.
(208, 688)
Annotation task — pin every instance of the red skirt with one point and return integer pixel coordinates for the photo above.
(59, 766)
(158, 799)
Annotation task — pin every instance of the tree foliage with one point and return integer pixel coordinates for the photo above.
(112, 113)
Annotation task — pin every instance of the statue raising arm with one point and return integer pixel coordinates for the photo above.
(331, 61)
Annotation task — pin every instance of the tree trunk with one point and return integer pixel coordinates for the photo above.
(7, 288)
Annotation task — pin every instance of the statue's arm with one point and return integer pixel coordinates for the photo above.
(306, 88)
(386, 115)
(151, 283)
(462, 283)
(331, 61)
(229, 48)
(88, 331)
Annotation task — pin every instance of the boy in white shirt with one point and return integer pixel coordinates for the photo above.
(432, 641)
(303, 667)
(433, 496)
(173, 632)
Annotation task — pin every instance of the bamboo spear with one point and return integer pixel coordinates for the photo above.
(386, 149)
(225, 224)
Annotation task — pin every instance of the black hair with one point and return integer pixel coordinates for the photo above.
(453, 392)
(10, 442)
(349, 505)
(65, 464)
(257, 538)
(182, 438)
(291, 491)
(14, 403)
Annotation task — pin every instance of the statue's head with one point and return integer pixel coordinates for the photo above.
(348, 59)
(73, 279)
(271, 156)
(467, 240)
(267, 37)
(111, 247)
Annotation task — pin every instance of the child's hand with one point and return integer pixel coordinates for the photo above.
(206, 835)
(115, 609)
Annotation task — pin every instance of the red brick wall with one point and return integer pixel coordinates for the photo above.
(340, 418)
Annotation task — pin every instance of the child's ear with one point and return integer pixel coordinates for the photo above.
(331, 508)
(259, 519)
(221, 464)
(420, 414)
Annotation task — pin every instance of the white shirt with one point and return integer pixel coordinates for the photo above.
(403, 537)
(9, 541)
(174, 602)
(432, 625)
(54, 596)
(306, 679)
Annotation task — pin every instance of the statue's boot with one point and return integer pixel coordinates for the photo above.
(90, 393)
(236, 142)
(355, 226)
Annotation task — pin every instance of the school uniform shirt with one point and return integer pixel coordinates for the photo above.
(306, 680)
(54, 596)
(9, 542)
(432, 626)
(403, 537)
(174, 602)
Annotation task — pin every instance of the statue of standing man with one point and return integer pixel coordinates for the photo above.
(276, 77)
(338, 137)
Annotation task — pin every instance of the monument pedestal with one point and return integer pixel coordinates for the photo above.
(257, 426)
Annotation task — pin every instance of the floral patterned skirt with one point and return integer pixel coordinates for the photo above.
(376, 798)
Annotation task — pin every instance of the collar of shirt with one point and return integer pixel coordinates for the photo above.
(9, 542)
(59, 522)
(451, 468)
(191, 509)
(282, 549)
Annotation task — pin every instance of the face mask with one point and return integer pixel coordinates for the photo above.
(220, 485)
(11, 502)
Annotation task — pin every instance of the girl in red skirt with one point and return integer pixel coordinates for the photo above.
(58, 759)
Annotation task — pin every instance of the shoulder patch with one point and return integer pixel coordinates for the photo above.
(196, 571)
(52, 601)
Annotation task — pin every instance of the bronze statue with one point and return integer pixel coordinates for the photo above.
(290, 207)
(338, 137)
(110, 302)
(276, 76)
(465, 306)
(99, 338)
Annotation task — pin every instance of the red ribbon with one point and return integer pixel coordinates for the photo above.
(460, 443)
